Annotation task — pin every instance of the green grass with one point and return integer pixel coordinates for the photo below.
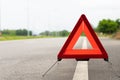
(6, 37)
(13, 37)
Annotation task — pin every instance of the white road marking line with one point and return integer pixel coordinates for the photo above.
(81, 72)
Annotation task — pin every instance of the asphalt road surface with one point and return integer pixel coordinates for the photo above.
(29, 59)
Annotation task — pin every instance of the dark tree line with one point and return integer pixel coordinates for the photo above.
(23, 32)
(62, 33)
(18, 32)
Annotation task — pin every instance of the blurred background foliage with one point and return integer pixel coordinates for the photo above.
(105, 27)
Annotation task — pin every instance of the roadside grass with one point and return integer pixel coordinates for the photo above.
(6, 37)
(11, 37)
(14, 37)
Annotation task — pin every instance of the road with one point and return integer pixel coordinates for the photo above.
(29, 59)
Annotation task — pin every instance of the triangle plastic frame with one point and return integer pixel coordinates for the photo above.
(67, 50)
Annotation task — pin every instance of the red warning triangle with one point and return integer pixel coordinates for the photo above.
(97, 51)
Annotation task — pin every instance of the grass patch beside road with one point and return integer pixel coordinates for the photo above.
(4, 38)
(13, 37)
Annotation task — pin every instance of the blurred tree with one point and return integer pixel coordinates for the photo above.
(9, 32)
(64, 33)
(107, 26)
(5, 32)
(118, 22)
(30, 33)
(22, 32)
(45, 33)
(53, 33)
(19, 32)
